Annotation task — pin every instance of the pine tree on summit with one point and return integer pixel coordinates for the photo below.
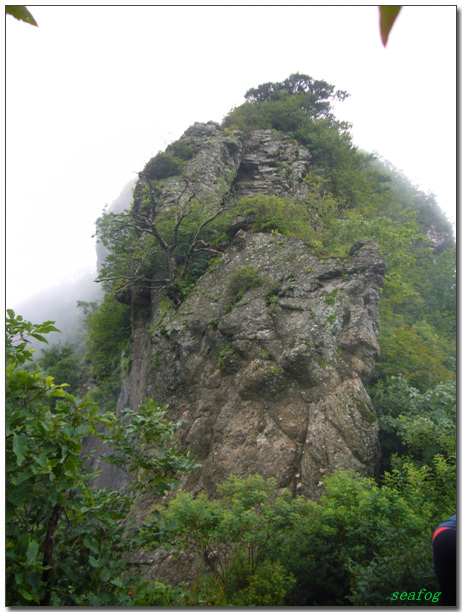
(315, 95)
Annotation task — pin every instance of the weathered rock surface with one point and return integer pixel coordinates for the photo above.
(272, 384)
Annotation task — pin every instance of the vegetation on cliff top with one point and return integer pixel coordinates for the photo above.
(351, 195)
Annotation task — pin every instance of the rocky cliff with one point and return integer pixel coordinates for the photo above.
(268, 374)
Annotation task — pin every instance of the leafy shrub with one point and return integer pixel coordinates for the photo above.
(108, 332)
(414, 352)
(242, 280)
(358, 545)
(62, 363)
(331, 297)
(67, 543)
(267, 586)
(273, 214)
(233, 535)
(420, 424)
(162, 166)
(180, 149)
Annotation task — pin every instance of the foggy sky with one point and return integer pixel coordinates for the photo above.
(94, 92)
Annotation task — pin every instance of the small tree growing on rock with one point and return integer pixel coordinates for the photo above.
(153, 244)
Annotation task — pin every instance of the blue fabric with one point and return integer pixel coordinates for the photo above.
(451, 523)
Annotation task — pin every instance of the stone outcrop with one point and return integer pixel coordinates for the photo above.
(273, 382)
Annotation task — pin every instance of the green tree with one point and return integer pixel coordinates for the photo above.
(355, 523)
(62, 363)
(57, 526)
(315, 95)
(418, 424)
(233, 537)
(155, 246)
(108, 328)
(414, 352)
(357, 545)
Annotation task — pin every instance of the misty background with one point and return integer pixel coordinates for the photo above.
(94, 92)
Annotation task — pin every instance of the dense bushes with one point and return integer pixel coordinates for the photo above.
(62, 362)
(162, 166)
(422, 424)
(168, 163)
(109, 332)
(67, 543)
(357, 546)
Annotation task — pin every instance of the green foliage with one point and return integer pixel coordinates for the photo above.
(233, 536)
(242, 280)
(414, 352)
(354, 523)
(301, 107)
(417, 304)
(62, 363)
(437, 287)
(358, 545)
(21, 13)
(267, 586)
(108, 334)
(18, 335)
(57, 526)
(277, 215)
(401, 191)
(388, 15)
(155, 246)
(316, 94)
(285, 106)
(421, 424)
(180, 150)
(407, 565)
(163, 165)
(331, 297)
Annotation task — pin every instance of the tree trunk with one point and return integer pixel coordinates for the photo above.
(48, 553)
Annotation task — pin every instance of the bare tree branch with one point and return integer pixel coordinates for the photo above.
(144, 220)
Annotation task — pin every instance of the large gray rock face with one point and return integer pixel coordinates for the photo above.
(272, 384)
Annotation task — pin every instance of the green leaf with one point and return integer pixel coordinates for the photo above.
(20, 447)
(28, 596)
(93, 546)
(93, 599)
(93, 411)
(40, 338)
(20, 478)
(21, 13)
(388, 15)
(32, 551)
